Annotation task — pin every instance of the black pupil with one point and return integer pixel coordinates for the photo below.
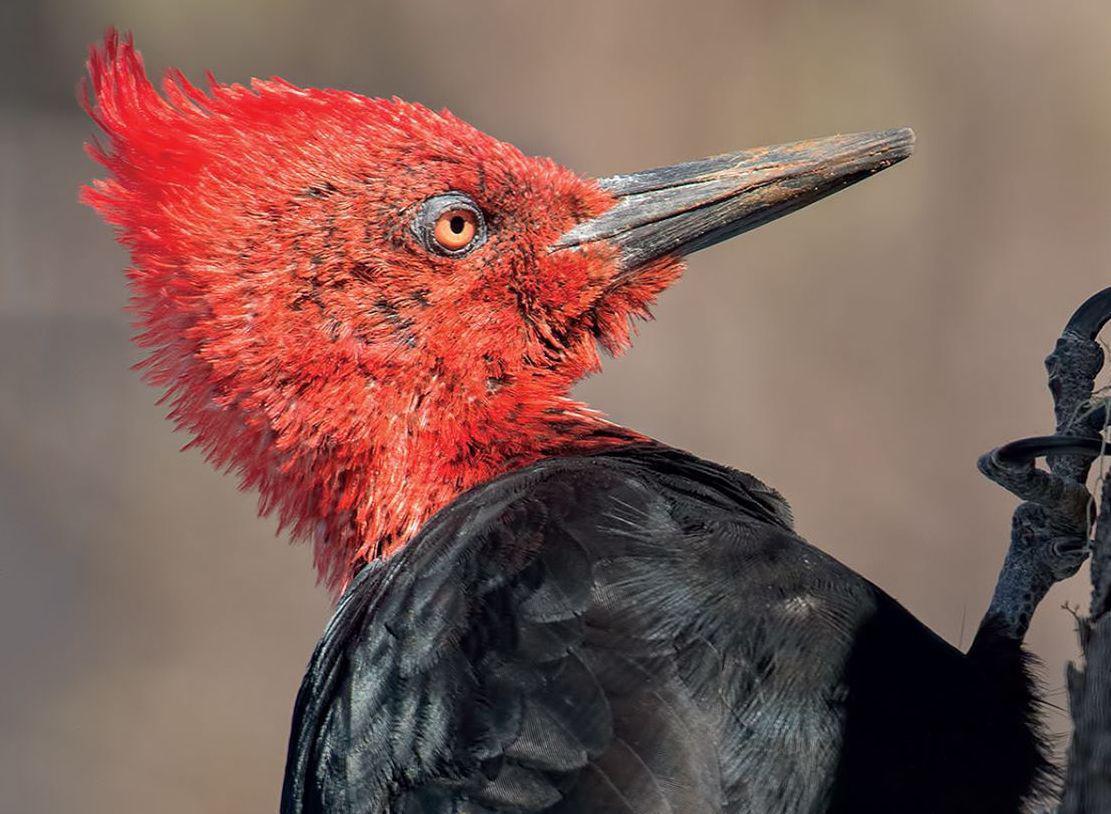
(458, 223)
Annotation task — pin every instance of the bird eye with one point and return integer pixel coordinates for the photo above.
(450, 224)
(455, 229)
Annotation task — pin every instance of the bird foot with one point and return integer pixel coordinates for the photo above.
(1051, 529)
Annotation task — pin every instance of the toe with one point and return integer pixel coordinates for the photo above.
(1088, 320)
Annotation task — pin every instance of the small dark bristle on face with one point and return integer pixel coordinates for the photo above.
(320, 190)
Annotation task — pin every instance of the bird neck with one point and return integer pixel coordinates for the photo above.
(360, 504)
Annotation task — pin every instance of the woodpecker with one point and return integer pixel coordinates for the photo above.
(374, 314)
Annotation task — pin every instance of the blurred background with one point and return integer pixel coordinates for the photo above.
(859, 355)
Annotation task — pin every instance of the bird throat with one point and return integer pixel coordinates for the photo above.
(362, 505)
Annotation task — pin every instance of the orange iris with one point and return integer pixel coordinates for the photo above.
(455, 229)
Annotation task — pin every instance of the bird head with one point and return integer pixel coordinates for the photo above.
(365, 307)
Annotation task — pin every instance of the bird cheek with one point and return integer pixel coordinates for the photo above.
(572, 284)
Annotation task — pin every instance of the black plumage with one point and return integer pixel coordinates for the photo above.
(642, 631)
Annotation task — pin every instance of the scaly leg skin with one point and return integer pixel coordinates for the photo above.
(1049, 532)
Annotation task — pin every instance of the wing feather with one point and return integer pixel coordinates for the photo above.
(584, 635)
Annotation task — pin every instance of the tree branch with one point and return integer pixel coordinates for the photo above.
(1088, 779)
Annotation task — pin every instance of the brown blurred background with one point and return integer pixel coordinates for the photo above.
(858, 355)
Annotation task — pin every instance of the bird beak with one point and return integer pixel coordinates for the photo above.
(676, 210)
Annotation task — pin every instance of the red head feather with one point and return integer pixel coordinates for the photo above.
(305, 337)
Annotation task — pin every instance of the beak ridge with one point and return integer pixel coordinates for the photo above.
(679, 209)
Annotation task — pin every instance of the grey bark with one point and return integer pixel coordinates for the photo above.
(1088, 779)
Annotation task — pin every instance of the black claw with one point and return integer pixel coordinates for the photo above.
(1026, 450)
(1088, 320)
(1073, 366)
(1066, 500)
